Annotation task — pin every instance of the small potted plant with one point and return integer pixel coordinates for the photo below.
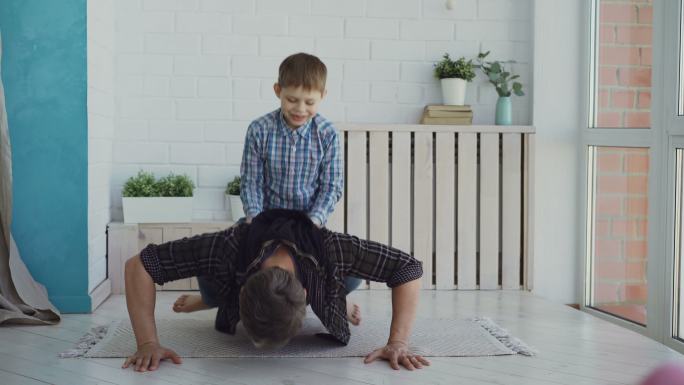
(148, 200)
(454, 76)
(501, 79)
(233, 199)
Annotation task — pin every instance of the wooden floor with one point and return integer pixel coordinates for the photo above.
(574, 348)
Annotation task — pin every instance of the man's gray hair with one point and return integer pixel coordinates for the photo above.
(272, 307)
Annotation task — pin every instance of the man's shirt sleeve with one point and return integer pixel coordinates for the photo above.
(375, 261)
(202, 255)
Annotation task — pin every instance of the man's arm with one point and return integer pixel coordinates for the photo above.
(404, 304)
(396, 351)
(210, 254)
(140, 300)
(402, 272)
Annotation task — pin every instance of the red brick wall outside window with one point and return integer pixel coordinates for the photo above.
(624, 71)
(621, 206)
(621, 232)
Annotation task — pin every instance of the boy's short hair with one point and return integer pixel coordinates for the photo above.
(303, 70)
(272, 307)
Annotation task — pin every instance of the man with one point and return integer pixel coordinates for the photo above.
(264, 274)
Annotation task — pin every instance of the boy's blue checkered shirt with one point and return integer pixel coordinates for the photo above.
(298, 169)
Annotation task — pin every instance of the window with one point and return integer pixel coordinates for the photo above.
(622, 50)
(618, 236)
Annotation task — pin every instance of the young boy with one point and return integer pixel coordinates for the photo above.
(292, 155)
(291, 160)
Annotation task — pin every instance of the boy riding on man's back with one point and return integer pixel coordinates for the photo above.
(264, 271)
(291, 160)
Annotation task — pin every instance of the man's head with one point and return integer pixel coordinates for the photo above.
(272, 307)
(300, 87)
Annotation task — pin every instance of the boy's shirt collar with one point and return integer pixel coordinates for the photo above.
(302, 130)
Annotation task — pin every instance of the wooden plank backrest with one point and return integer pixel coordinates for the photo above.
(378, 177)
(445, 209)
(489, 211)
(458, 198)
(423, 211)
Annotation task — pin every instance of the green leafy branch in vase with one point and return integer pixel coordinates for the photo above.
(498, 75)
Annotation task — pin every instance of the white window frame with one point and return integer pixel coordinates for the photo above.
(672, 138)
(650, 138)
(675, 142)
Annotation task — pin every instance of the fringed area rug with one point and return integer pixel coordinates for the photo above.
(197, 338)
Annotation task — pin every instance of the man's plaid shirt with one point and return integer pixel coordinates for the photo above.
(215, 255)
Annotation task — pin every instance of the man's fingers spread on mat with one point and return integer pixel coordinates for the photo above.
(126, 363)
(146, 363)
(154, 363)
(138, 363)
(407, 363)
(394, 361)
(175, 358)
(423, 360)
(415, 362)
(372, 356)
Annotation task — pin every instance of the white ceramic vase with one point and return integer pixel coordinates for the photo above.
(453, 91)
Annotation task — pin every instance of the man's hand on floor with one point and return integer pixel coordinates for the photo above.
(148, 356)
(397, 353)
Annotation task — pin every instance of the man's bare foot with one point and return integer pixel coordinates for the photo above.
(189, 303)
(353, 313)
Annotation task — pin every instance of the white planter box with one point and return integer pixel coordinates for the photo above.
(234, 204)
(157, 210)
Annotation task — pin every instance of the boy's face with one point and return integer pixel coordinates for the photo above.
(298, 105)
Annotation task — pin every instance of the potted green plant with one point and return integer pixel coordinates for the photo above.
(454, 76)
(166, 200)
(501, 79)
(233, 199)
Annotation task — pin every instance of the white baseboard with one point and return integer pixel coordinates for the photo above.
(100, 294)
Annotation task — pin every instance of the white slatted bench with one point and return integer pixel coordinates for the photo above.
(459, 198)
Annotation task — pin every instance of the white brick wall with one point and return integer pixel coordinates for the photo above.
(394, 9)
(201, 65)
(192, 74)
(372, 28)
(214, 23)
(338, 8)
(101, 131)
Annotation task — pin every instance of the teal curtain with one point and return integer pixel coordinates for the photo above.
(22, 299)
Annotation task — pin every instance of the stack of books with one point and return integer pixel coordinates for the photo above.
(446, 114)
